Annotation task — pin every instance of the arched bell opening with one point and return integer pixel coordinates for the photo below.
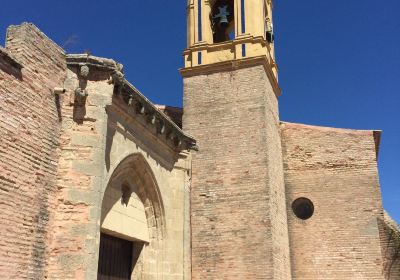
(132, 223)
(268, 26)
(223, 20)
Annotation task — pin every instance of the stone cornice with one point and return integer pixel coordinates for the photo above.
(200, 46)
(232, 65)
(165, 127)
(140, 106)
(105, 64)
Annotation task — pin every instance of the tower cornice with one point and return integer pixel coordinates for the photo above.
(206, 69)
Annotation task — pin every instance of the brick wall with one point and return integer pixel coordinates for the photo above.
(390, 242)
(29, 128)
(238, 209)
(337, 170)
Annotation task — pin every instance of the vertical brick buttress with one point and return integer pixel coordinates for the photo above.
(29, 129)
(238, 212)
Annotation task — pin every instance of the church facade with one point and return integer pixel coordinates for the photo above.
(97, 182)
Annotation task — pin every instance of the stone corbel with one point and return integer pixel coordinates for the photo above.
(118, 78)
(158, 123)
(174, 140)
(84, 71)
(142, 109)
(80, 93)
(161, 128)
(80, 96)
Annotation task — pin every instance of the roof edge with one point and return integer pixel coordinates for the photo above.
(132, 95)
(190, 142)
(329, 128)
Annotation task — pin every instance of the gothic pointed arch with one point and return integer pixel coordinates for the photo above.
(132, 210)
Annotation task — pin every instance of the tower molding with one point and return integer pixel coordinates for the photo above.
(231, 65)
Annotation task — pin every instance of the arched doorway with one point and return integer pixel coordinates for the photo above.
(131, 223)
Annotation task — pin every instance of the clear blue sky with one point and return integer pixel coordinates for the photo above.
(339, 60)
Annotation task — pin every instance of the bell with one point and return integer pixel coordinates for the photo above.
(223, 22)
(222, 16)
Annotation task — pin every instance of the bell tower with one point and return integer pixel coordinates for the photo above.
(226, 30)
(238, 208)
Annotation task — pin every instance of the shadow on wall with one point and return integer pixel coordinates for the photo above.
(79, 111)
(390, 237)
(9, 65)
(133, 127)
(392, 267)
(134, 176)
(109, 140)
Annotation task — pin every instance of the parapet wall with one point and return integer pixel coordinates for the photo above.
(31, 66)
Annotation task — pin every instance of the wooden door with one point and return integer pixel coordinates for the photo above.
(115, 258)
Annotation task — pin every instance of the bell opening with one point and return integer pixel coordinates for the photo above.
(223, 20)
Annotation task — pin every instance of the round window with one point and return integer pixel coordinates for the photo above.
(303, 208)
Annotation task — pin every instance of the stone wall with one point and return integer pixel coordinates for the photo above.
(80, 180)
(29, 129)
(164, 179)
(238, 218)
(337, 170)
(103, 139)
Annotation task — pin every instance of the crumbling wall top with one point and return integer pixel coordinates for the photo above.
(6, 57)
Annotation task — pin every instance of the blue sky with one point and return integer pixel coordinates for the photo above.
(339, 60)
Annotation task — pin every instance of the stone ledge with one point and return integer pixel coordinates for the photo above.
(92, 61)
(230, 65)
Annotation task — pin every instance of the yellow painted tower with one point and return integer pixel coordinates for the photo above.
(227, 30)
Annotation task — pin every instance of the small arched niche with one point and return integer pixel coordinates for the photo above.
(223, 20)
(131, 222)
